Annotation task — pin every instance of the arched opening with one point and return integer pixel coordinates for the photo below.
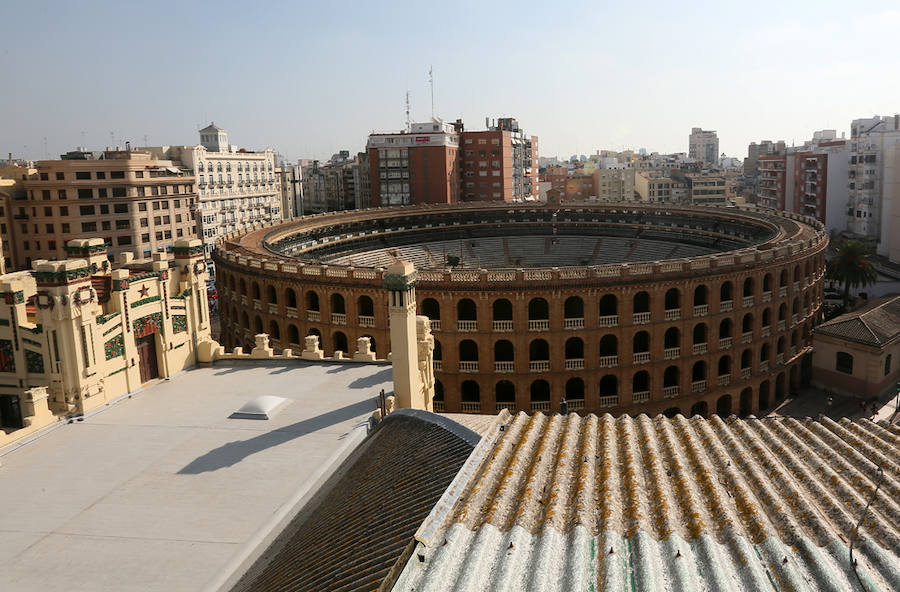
(700, 408)
(609, 387)
(764, 353)
(438, 355)
(438, 392)
(339, 340)
(795, 308)
(609, 305)
(312, 300)
(243, 287)
(231, 282)
(747, 323)
(746, 359)
(672, 338)
(701, 295)
(783, 279)
(574, 349)
(672, 412)
(271, 295)
(257, 325)
(763, 396)
(470, 392)
(780, 346)
(746, 402)
(431, 309)
(256, 292)
(337, 304)
(538, 310)
(609, 346)
(274, 330)
(365, 307)
(245, 321)
(698, 371)
(748, 287)
(468, 351)
(641, 303)
(700, 334)
(782, 312)
(780, 387)
(539, 351)
(796, 273)
(466, 310)
(766, 318)
(640, 385)
(291, 298)
(725, 366)
(573, 308)
(767, 282)
(502, 309)
(724, 331)
(726, 292)
(293, 334)
(723, 406)
(671, 377)
(503, 351)
(575, 389)
(641, 342)
(505, 392)
(540, 392)
(673, 299)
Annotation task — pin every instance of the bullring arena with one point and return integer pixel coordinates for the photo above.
(616, 307)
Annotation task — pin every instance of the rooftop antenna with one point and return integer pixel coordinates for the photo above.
(431, 84)
(112, 139)
(46, 154)
(146, 143)
(83, 144)
(408, 127)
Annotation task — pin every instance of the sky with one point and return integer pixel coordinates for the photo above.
(309, 79)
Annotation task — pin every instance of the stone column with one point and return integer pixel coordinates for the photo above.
(400, 280)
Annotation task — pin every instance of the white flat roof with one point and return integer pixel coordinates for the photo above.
(163, 491)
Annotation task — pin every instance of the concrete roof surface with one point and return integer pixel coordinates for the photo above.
(163, 491)
(622, 504)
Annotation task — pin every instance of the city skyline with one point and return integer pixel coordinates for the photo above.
(308, 80)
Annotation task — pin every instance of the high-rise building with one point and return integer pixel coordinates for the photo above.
(236, 187)
(415, 166)
(873, 205)
(703, 145)
(499, 163)
(134, 201)
(339, 184)
(289, 178)
(754, 151)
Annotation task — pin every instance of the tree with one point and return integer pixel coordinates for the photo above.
(851, 265)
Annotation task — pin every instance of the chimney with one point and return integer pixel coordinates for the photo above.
(128, 145)
(10, 159)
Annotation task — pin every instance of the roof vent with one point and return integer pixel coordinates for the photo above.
(262, 407)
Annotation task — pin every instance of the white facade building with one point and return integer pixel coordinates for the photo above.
(703, 145)
(236, 187)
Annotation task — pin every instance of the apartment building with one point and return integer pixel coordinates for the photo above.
(706, 189)
(135, 202)
(614, 184)
(12, 190)
(236, 186)
(755, 151)
(289, 180)
(703, 145)
(341, 183)
(655, 187)
(499, 163)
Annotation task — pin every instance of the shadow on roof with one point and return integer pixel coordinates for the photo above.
(234, 452)
(373, 379)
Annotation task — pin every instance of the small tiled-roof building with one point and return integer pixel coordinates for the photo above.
(858, 353)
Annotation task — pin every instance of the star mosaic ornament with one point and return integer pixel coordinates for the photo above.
(144, 291)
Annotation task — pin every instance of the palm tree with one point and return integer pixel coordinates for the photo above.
(851, 264)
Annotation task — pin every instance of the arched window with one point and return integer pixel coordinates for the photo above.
(843, 362)
(725, 292)
(641, 342)
(502, 310)
(468, 351)
(505, 392)
(466, 310)
(609, 386)
(470, 391)
(766, 317)
(764, 353)
(245, 321)
(725, 329)
(257, 325)
(725, 366)
(538, 310)
(701, 295)
(747, 323)
(609, 346)
(700, 408)
(783, 279)
(274, 330)
(574, 308)
(337, 304)
(271, 295)
(609, 305)
(312, 301)
(746, 359)
(438, 354)
(243, 285)
(575, 389)
(340, 342)
(291, 298)
(574, 349)
(672, 338)
(671, 377)
(365, 307)
(431, 309)
(256, 293)
(698, 371)
(748, 287)
(723, 406)
(540, 390)
(503, 351)
(767, 282)
(700, 333)
(640, 383)
(673, 299)
(641, 303)
(538, 351)
(293, 335)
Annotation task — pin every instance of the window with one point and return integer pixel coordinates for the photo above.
(83, 175)
(159, 236)
(45, 194)
(157, 220)
(66, 227)
(177, 217)
(64, 210)
(51, 245)
(145, 238)
(48, 211)
(101, 174)
(140, 192)
(156, 205)
(168, 234)
(138, 174)
(27, 245)
(117, 174)
(104, 208)
(50, 229)
(887, 365)
(61, 194)
(60, 176)
(101, 192)
(123, 224)
(123, 240)
(180, 233)
(44, 177)
(144, 223)
(118, 192)
(142, 207)
(106, 225)
(177, 203)
(165, 205)
(167, 220)
(120, 208)
(86, 210)
(843, 363)
(85, 193)
(88, 227)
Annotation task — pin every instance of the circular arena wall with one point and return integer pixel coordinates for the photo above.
(726, 329)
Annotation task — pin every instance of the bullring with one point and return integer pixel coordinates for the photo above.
(617, 307)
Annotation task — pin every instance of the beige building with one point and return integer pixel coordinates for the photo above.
(12, 189)
(77, 333)
(653, 186)
(858, 353)
(614, 184)
(706, 190)
(134, 201)
(236, 187)
(703, 145)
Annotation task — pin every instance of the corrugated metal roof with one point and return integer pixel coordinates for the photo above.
(597, 503)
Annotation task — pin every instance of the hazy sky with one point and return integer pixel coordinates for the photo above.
(309, 79)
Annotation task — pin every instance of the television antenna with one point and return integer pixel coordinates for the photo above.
(431, 84)
(408, 127)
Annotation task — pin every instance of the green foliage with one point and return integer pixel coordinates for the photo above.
(453, 260)
(851, 265)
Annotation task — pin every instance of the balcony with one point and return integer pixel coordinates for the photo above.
(641, 357)
(338, 318)
(672, 314)
(511, 407)
(796, 286)
(257, 305)
(640, 397)
(748, 301)
(290, 312)
(608, 321)
(724, 342)
(471, 407)
(641, 318)
(367, 321)
(575, 364)
(540, 406)
(747, 337)
(504, 367)
(575, 404)
(779, 359)
(313, 316)
(468, 366)
(670, 353)
(503, 325)
(244, 299)
(670, 392)
(782, 291)
(574, 323)
(767, 296)
(539, 325)
(608, 361)
(766, 331)
(701, 310)
(794, 318)
(698, 386)
(726, 306)
(272, 308)
(435, 324)
(764, 366)
(438, 365)
(466, 325)
(723, 380)
(745, 373)
(699, 348)
(781, 325)
(609, 400)
(539, 366)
